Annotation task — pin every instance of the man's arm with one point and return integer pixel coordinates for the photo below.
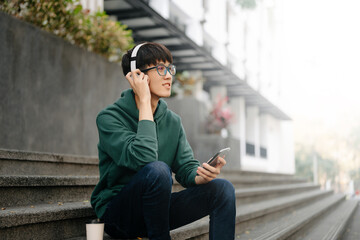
(126, 147)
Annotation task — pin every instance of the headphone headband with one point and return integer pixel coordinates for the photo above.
(133, 57)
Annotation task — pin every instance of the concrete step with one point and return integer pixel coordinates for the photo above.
(257, 194)
(233, 172)
(259, 181)
(352, 231)
(45, 221)
(284, 226)
(199, 229)
(13, 162)
(30, 190)
(252, 182)
(54, 215)
(260, 176)
(330, 225)
(249, 214)
(258, 209)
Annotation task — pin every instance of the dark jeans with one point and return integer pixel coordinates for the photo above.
(146, 206)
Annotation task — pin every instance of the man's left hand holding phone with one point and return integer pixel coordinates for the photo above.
(206, 173)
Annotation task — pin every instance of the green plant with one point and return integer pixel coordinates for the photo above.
(67, 19)
(185, 83)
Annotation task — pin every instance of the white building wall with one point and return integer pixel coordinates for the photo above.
(93, 5)
(264, 122)
(287, 148)
(277, 136)
(253, 39)
(238, 126)
(161, 6)
(190, 13)
(236, 45)
(274, 141)
(253, 163)
(215, 28)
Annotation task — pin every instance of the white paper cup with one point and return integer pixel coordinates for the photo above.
(94, 230)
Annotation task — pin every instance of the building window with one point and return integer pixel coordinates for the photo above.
(263, 152)
(250, 149)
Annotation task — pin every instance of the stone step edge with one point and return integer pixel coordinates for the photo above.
(53, 180)
(255, 179)
(312, 212)
(352, 228)
(277, 204)
(19, 155)
(243, 213)
(39, 180)
(342, 215)
(281, 224)
(255, 191)
(16, 216)
(12, 154)
(247, 172)
(50, 180)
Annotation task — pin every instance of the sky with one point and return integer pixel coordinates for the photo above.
(322, 61)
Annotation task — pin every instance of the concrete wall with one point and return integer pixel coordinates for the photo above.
(51, 91)
(193, 115)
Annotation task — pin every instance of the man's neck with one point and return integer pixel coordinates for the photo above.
(154, 103)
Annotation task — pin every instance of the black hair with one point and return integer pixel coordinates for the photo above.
(148, 54)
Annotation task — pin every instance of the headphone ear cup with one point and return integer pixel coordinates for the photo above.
(133, 57)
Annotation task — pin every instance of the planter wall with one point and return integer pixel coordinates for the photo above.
(51, 91)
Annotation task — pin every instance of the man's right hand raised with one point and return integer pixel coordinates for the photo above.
(139, 82)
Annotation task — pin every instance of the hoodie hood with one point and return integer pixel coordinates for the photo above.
(127, 103)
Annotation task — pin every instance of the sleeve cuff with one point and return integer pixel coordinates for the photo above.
(147, 128)
(192, 178)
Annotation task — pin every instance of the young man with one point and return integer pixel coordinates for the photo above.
(141, 142)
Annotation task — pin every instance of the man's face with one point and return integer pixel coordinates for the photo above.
(160, 86)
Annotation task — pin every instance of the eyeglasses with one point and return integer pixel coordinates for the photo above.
(162, 69)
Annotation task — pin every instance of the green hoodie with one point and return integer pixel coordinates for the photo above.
(126, 145)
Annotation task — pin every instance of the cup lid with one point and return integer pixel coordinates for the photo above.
(94, 221)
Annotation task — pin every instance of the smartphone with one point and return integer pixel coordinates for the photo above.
(222, 153)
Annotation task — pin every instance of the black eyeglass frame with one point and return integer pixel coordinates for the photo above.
(166, 67)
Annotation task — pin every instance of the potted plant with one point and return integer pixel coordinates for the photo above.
(219, 117)
(185, 84)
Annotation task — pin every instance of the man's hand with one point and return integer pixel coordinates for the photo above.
(206, 173)
(139, 82)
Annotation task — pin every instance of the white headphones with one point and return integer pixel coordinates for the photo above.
(133, 57)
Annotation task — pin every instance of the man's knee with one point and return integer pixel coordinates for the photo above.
(223, 189)
(158, 173)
